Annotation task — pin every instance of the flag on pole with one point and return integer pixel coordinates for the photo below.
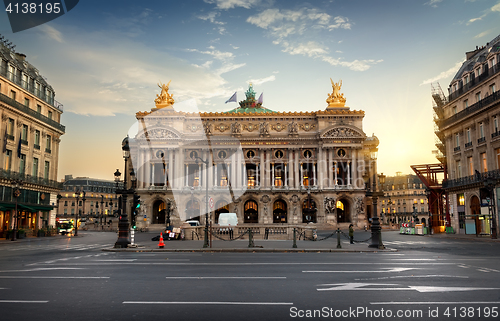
(261, 99)
(233, 98)
(19, 147)
(4, 149)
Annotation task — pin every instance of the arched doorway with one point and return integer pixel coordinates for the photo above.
(279, 212)
(159, 212)
(251, 212)
(193, 210)
(309, 211)
(343, 211)
(475, 211)
(222, 207)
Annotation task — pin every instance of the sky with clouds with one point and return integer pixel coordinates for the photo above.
(105, 58)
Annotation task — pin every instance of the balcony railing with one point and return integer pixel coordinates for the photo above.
(6, 174)
(475, 81)
(495, 134)
(30, 87)
(481, 140)
(487, 101)
(456, 149)
(31, 112)
(469, 144)
(478, 178)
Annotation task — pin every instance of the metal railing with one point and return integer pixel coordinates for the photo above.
(483, 103)
(31, 112)
(31, 88)
(478, 178)
(7, 174)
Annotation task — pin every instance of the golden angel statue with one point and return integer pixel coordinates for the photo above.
(336, 98)
(164, 98)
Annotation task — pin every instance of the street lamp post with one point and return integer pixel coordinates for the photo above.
(102, 208)
(414, 212)
(198, 159)
(490, 183)
(374, 194)
(123, 225)
(16, 192)
(77, 195)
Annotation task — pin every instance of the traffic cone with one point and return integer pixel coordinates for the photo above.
(161, 244)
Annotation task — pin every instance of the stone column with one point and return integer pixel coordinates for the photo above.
(290, 167)
(268, 167)
(331, 182)
(262, 168)
(354, 168)
(170, 167)
(320, 167)
(314, 174)
(238, 170)
(272, 174)
(348, 173)
(233, 171)
(297, 172)
(186, 174)
(335, 175)
(286, 175)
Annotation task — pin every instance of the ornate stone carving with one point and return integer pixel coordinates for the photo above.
(193, 127)
(264, 129)
(293, 129)
(342, 132)
(222, 127)
(208, 128)
(250, 127)
(359, 205)
(278, 127)
(160, 133)
(236, 129)
(329, 205)
(307, 127)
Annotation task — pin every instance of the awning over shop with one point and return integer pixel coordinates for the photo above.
(6, 206)
(23, 207)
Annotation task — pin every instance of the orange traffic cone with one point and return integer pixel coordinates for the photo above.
(161, 244)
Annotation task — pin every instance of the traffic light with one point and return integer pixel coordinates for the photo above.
(137, 203)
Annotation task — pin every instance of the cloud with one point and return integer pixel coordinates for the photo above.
(211, 17)
(495, 8)
(444, 74)
(230, 4)
(262, 80)
(51, 32)
(482, 34)
(433, 3)
(287, 27)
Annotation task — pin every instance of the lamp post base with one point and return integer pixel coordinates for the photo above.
(123, 234)
(376, 235)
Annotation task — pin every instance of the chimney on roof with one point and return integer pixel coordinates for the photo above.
(21, 56)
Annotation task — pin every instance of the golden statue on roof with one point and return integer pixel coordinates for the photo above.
(336, 98)
(164, 99)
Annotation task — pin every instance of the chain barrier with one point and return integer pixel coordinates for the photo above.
(347, 237)
(234, 239)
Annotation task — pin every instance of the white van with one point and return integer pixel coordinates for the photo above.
(228, 219)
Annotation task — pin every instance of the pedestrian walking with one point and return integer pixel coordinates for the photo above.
(351, 234)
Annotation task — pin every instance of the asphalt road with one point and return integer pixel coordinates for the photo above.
(72, 278)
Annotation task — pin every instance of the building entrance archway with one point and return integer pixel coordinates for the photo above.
(251, 212)
(309, 211)
(159, 212)
(280, 212)
(343, 211)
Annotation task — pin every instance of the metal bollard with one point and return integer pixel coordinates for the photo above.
(339, 246)
(250, 238)
(294, 238)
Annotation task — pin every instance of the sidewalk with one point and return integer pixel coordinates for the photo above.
(144, 244)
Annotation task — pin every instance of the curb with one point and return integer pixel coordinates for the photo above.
(251, 250)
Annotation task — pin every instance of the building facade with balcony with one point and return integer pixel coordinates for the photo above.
(270, 168)
(468, 125)
(30, 129)
(404, 200)
(97, 198)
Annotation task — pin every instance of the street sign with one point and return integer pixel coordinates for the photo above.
(211, 203)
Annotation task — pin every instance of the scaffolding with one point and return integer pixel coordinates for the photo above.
(438, 102)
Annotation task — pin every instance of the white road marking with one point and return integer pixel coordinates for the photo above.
(414, 276)
(421, 289)
(398, 269)
(430, 303)
(207, 303)
(45, 269)
(21, 301)
(116, 260)
(226, 277)
(53, 277)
